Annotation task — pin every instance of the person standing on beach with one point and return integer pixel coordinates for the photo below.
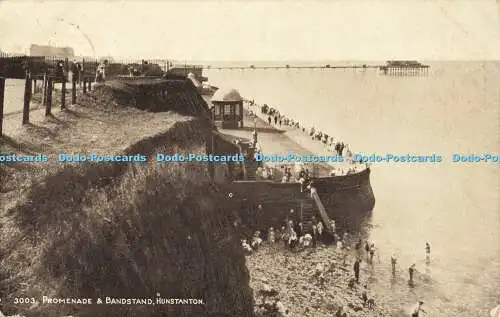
(415, 312)
(393, 264)
(299, 229)
(356, 270)
(315, 234)
(367, 249)
(411, 271)
(275, 120)
(269, 120)
(357, 247)
(284, 236)
(427, 252)
(372, 253)
(345, 255)
(320, 228)
(293, 240)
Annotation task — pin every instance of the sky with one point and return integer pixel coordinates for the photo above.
(258, 30)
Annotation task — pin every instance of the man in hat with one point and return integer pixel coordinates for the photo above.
(415, 312)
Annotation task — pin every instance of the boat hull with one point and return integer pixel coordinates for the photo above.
(348, 199)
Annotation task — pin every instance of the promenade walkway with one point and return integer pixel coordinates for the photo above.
(275, 140)
(281, 140)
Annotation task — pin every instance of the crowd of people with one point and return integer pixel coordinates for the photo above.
(294, 236)
(337, 147)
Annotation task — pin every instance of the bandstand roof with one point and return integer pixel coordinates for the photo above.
(226, 95)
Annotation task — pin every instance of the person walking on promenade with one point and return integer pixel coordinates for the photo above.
(427, 253)
(275, 120)
(411, 271)
(394, 260)
(415, 312)
(356, 270)
(269, 120)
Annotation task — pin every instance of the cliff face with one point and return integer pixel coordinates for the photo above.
(126, 231)
(156, 95)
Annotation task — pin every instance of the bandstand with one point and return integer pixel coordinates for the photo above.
(227, 108)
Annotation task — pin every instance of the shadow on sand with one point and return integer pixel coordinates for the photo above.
(25, 147)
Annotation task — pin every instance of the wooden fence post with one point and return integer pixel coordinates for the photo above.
(73, 89)
(63, 93)
(2, 89)
(44, 90)
(48, 105)
(63, 84)
(27, 91)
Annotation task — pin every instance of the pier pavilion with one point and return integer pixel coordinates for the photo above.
(227, 108)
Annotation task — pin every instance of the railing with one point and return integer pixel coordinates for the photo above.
(15, 66)
(41, 73)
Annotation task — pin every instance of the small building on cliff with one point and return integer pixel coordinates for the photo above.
(52, 51)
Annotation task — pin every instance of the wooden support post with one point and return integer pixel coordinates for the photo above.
(2, 90)
(73, 90)
(34, 86)
(90, 85)
(48, 105)
(84, 85)
(26, 108)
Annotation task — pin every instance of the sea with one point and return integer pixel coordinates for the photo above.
(454, 108)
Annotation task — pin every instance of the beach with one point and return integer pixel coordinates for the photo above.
(312, 282)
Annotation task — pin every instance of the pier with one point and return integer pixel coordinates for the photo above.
(294, 67)
(401, 68)
(404, 68)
